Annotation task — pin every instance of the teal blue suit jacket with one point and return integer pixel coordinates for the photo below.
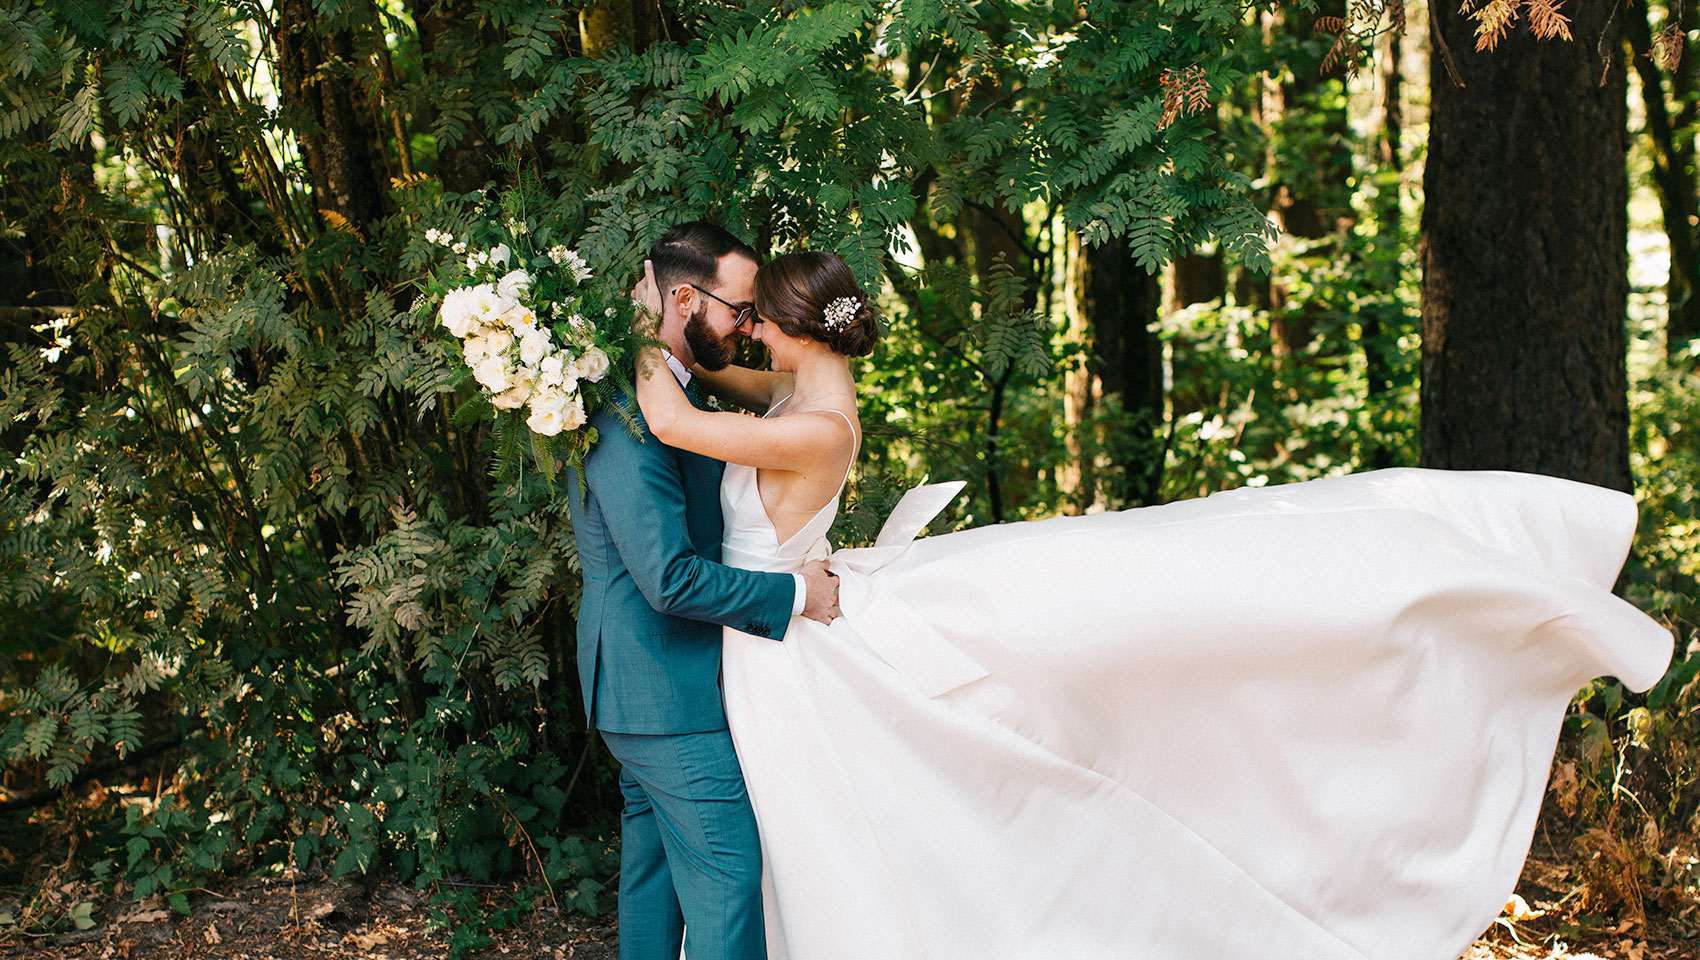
(655, 593)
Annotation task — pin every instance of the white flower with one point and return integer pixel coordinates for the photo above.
(533, 346)
(456, 312)
(501, 255)
(573, 416)
(493, 373)
(515, 396)
(571, 260)
(477, 259)
(592, 366)
(458, 247)
(497, 340)
(554, 410)
(545, 422)
(481, 302)
(475, 348)
(515, 315)
(550, 372)
(549, 398)
(514, 283)
(553, 372)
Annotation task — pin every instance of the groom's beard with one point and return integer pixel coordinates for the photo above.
(713, 352)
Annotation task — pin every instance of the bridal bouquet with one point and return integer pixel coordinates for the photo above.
(534, 335)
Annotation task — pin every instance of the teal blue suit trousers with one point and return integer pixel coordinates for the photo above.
(655, 599)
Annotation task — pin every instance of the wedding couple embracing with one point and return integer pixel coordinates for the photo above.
(1312, 721)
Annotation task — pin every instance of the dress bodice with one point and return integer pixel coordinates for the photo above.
(750, 540)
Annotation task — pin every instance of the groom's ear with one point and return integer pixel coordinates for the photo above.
(684, 298)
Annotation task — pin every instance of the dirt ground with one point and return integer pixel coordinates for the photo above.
(311, 916)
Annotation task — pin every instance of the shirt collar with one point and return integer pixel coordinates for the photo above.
(679, 372)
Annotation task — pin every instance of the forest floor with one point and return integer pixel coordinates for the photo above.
(311, 917)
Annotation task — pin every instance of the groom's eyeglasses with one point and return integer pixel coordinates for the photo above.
(744, 314)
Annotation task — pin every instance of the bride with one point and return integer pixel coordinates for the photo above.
(1307, 722)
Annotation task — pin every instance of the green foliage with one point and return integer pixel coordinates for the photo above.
(247, 500)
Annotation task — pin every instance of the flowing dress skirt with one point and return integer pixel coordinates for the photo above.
(1305, 722)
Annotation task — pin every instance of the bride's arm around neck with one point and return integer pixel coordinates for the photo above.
(754, 390)
(805, 443)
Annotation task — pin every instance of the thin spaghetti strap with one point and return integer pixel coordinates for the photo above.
(855, 442)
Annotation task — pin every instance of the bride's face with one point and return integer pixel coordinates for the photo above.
(783, 350)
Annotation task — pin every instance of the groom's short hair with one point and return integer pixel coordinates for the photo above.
(691, 252)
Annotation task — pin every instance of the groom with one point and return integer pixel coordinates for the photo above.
(655, 598)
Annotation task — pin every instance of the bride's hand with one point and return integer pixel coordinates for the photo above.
(646, 297)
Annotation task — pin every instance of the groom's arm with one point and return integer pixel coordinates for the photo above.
(640, 490)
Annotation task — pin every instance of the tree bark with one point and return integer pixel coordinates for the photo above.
(1121, 306)
(1671, 137)
(1525, 272)
(338, 144)
(1378, 357)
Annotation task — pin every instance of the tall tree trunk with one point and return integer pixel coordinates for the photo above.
(1377, 348)
(1525, 273)
(1671, 137)
(1121, 305)
(338, 145)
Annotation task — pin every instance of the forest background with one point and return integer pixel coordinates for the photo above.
(262, 603)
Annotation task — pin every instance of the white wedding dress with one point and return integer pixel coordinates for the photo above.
(1306, 722)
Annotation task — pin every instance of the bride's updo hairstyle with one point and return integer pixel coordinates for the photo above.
(815, 295)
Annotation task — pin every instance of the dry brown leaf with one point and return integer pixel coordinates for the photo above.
(1546, 21)
(367, 941)
(1667, 47)
(1492, 22)
(1565, 786)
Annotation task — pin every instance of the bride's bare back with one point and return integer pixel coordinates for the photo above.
(793, 498)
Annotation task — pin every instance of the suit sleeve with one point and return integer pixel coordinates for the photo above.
(640, 491)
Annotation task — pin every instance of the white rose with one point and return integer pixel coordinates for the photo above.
(552, 372)
(572, 416)
(501, 255)
(547, 422)
(514, 283)
(515, 396)
(493, 374)
(549, 371)
(475, 348)
(548, 398)
(548, 411)
(496, 340)
(533, 346)
(593, 366)
(456, 313)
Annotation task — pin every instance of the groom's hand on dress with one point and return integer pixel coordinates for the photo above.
(821, 588)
